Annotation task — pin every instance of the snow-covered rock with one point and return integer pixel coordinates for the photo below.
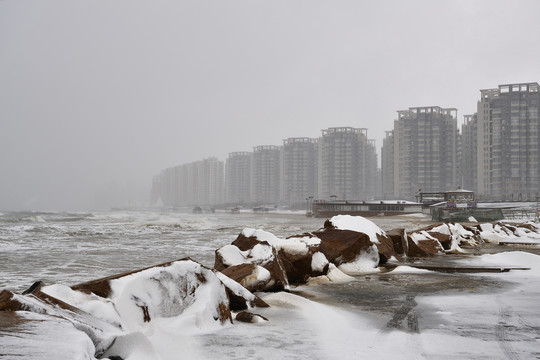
(240, 281)
(385, 244)
(248, 317)
(356, 223)
(101, 333)
(399, 241)
(248, 248)
(285, 260)
(440, 238)
(185, 295)
(528, 232)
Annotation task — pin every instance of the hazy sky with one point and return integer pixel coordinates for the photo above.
(102, 95)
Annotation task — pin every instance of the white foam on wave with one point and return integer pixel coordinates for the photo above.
(181, 222)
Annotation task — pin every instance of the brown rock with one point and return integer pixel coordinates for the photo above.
(444, 239)
(243, 275)
(246, 243)
(342, 246)
(278, 276)
(298, 266)
(8, 303)
(247, 317)
(386, 249)
(425, 247)
(399, 240)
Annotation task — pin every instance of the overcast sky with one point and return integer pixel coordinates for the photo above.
(102, 95)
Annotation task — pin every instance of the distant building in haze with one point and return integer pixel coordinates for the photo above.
(347, 164)
(238, 178)
(469, 146)
(387, 166)
(197, 183)
(265, 171)
(298, 170)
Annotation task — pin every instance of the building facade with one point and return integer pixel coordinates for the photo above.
(469, 146)
(347, 164)
(425, 141)
(265, 171)
(299, 157)
(387, 166)
(508, 151)
(238, 178)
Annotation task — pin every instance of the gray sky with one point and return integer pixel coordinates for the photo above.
(102, 95)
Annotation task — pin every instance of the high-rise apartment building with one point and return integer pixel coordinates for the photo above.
(372, 176)
(425, 151)
(469, 145)
(265, 169)
(387, 166)
(347, 164)
(298, 170)
(508, 149)
(238, 178)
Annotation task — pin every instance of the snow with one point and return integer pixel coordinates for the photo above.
(176, 300)
(421, 236)
(403, 269)
(293, 245)
(358, 223)
(519, 259)
(501, 232)
(318, 261)
(260, 275)
(41, 336)
(97, 306)
(232, 255)
(364, 263)
(334, 275)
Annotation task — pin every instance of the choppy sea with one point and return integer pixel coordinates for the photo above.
(73, 247)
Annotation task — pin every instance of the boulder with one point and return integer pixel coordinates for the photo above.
(377, 236)
(287, 260)
(179, 289)
(250, 276)
(262, 254)
(439, 231)
(420, 244)
(240, 295)
(386, 250)
(247, 317)
(342, 246)
(399, 240)
(35, 300)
